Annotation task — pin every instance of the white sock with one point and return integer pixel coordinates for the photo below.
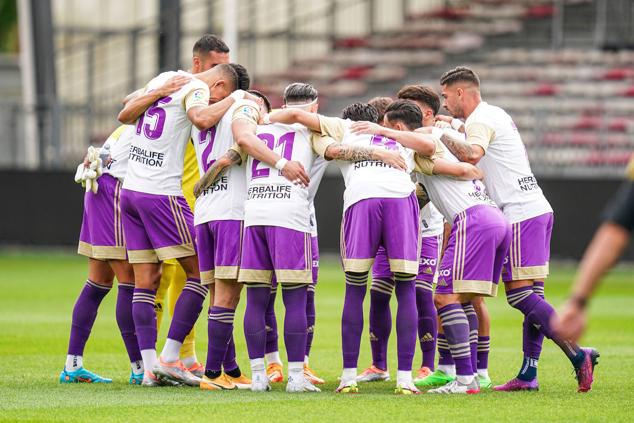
(295, 369)
(257, 365)
(306, 360)
(484, 373)
(189, 361)
(349, 374)
(74, 362)
(465, 380)
(149, 359)
(137, 367)
(170, 352)
(448, 369)
(273, 357)
(403, 377)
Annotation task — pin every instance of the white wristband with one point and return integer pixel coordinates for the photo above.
(437, 132)
(280, 164)
(238, 95)
(456, 124)
(267, 119)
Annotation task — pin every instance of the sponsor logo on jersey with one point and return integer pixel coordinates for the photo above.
(527, 183)
(444, 272)
(147, 157)
(270, 192)
(441, 282)
(425, 261)
(221, 184)
(373, 337)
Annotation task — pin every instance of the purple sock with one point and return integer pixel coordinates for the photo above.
(444, 354)
(533, 339)
(380, 320)
(219, 330)
(406, 325)
(144, 317)
(472, 317)
(84, 315)
(310, 317)
(229, 363)
(187, 309)
(254, 323)
(456, 326)
(539, 313)
(352, 318)
(295, 322)
(271, 325)
(126, 322)
(427, 322)
(484, 345)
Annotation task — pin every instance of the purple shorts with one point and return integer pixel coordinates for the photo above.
(429, 254)
(218, 244)
(529, 253)
(268, 250)
(479, 241)
(388, 222)
(314, 247)
(157, 227)
(101, 235)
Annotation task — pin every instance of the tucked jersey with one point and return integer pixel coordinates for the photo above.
(316, 174)
(160, 137)
(432, 222)
(449, 195)
(369, 178)
(507, 172)
(119, 145)
(224, 200)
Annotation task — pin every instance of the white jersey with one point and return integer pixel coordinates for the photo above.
(507, 172)
(162, 132)
(369, 178)
(432, 222)
(449, 195)
(316, 173)
(119, 145)
(272, 199)
(224, 200)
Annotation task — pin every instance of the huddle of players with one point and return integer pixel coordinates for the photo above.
(254, 226)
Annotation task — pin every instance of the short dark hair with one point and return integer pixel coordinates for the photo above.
(229, 73)
(421, 93)
(299, 92)
(360, 111)
(460, 74)
(380, 104)
(208, 43)
(405, 111)
(244, 81)
(267, 103)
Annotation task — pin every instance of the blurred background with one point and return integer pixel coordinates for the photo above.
(564, 69)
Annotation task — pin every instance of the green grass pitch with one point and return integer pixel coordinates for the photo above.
(37, 296)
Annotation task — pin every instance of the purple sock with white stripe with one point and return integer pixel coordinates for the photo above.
(187, 309)
(456, 326)
(219, 331)
(144, 317)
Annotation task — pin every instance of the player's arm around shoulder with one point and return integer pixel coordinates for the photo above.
(473, 148)
(138, 102)
(206, 116)
(330, 149)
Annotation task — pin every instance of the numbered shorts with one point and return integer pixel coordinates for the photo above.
(219, 245)
(529, 252)
(157, 227)
(269, 251)
(101, 235)
(472, 263)
(429, 255)
(389, 222)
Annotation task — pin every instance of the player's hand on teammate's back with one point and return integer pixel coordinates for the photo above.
(391, 158)
(294, 171)
(363, 127)
(442, 124)
(173, 84)
(571, 322)
(443, 118)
